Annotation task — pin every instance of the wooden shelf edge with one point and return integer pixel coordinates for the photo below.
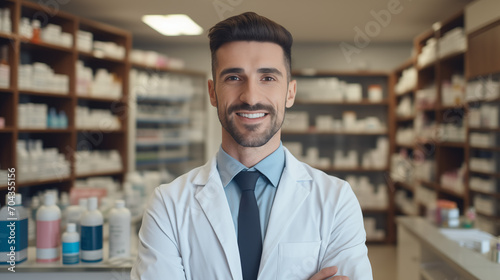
(101, 58)
(42, 182)
(97, 174)
(364, 102)
(45, 93)
(45, 45)
(290, 132)
(168, 70)
(101, 99)
(327, 73)
(47, 130)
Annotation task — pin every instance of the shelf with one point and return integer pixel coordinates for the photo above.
(493, 149)
(322, 73)
(6, 130)
(426, 67)
(151, 144)
(451, 192)
(6, 90)
(42, 182)
(332, 133)
(166, 99)
(452, 144)
(496, 194)
(405, 145)
(496, 218)
(8, 36)
(26, 44)
(405, 119)
(162, 121)
(100, 99)
(47, 130)
(97, 174)
(166, 69)
(99, 58)
(496, 175)
(451, 107)
(374, 210)
(484, 100)
(428, 184)
(82, 130)
(452, 56)
(406, 92)
(44, 93)
(405, 185)
(364, 102)
(354, 169)
(144, 163)
(484, 129)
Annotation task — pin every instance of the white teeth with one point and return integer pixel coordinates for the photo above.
(252, 116)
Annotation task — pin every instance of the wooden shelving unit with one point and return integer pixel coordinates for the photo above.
(62, 60)
(329, 140)
(480, 61)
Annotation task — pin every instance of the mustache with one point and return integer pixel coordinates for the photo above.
(248, 107)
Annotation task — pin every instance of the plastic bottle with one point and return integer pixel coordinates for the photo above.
(34, 205)
(63, 205)
(91, 227)
(71, 245)
(36, 31)
(119, 230)
(48, 230)
(74, 213)
(6, 22)
(13, 222)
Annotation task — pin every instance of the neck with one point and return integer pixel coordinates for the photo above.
(249, 156)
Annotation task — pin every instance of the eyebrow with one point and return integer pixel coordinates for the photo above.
(268, 70)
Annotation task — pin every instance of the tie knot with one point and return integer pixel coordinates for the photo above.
(246, 180)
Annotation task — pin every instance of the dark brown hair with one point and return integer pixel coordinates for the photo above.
(250, 26)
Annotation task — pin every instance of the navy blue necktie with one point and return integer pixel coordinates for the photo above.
(249, 236)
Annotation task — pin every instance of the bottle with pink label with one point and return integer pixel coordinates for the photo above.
(48, 235)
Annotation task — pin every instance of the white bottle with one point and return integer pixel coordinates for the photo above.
(119, 230)
(34, 205)
(91, 227)
(70, 245)
(6, 23)
(48, 230)
(74, 213)
(63, 205)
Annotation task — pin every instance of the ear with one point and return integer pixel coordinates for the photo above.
(211, 93)
(292, 91)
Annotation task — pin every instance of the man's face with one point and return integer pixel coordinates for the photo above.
(251, 91)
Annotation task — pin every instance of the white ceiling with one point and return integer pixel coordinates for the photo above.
(309, 21)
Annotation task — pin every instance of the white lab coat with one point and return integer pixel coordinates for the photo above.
(316, 221)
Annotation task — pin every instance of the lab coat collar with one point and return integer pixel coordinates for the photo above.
(291, 193)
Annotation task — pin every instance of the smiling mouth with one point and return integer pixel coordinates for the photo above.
(251, 116)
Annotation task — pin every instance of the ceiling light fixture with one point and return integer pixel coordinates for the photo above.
(173, 25)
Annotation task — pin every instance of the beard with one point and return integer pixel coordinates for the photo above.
(252, 138)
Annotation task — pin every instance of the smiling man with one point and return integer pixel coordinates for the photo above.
(253, 211)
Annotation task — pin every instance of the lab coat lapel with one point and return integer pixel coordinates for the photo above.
(291, 193)
(213, 201)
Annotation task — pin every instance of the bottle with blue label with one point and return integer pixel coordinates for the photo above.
(13, 231)
(70, 245)
(91, 227)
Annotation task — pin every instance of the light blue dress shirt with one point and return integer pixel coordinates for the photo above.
(265, 189)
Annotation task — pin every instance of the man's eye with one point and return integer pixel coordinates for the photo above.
(232, 78)
(268, 79)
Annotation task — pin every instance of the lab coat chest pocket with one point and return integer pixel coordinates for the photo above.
(298, 260)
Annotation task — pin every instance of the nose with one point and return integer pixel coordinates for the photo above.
(250, 93)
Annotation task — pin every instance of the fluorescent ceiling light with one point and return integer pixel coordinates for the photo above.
(173, 25)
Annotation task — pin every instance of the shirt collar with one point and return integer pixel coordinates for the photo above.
(271, 167)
